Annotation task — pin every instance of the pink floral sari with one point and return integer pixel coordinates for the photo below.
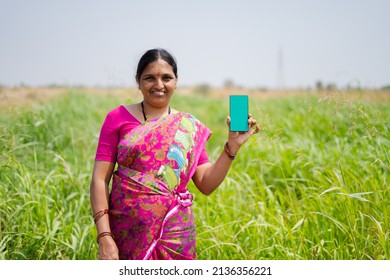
(150, 206)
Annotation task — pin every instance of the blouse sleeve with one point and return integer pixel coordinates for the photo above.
(108, 141)
(204, 158)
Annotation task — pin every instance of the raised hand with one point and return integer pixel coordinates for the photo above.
(236, 139)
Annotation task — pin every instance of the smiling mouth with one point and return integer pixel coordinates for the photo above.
(158, 91)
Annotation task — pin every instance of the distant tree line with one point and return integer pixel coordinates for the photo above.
(320, 86)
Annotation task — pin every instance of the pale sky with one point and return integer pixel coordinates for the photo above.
(254, 43)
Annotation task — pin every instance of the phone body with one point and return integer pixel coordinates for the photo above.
(239, 110)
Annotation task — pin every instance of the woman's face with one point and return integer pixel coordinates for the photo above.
(157, 83)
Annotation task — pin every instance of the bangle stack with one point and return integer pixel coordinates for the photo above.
(105, 233)
(226, 149)
(99, 214)
(96, 217)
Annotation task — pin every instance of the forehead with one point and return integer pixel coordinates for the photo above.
(158, 67)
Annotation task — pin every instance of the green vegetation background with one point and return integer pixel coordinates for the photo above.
(313, 184)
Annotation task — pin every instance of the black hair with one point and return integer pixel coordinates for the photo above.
(152, 56)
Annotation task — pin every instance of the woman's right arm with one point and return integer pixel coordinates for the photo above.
(102, 173)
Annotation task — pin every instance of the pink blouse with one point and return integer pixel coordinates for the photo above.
(117, 124)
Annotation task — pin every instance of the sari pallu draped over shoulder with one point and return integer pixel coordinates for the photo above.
(150, 205)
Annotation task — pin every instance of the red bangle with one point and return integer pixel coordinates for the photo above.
(106, 233)
(226, 149)
(99, 214)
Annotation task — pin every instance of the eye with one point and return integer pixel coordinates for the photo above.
(167, 78)
(148, 78)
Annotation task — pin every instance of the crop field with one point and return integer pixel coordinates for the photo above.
(313, 184)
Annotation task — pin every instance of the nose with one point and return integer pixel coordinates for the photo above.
(159, 83)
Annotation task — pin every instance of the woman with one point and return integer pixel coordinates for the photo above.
(157, 150)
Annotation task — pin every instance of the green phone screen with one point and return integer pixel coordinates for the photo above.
(239, 113)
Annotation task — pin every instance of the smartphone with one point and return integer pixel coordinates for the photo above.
(239, 113)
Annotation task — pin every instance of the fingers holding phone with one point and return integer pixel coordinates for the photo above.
(241, 124)
(252, 123)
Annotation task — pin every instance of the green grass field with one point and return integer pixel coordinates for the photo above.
(313, 184)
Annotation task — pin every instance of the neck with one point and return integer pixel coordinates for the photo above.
(151, 112)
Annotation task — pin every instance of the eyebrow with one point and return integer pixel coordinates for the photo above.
(163, 74)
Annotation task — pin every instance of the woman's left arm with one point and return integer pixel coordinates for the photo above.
(209, 176)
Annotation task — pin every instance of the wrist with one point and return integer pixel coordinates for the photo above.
(229, 153)
(233, 148)
(104, 236)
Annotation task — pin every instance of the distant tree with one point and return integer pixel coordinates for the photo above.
(23, 85)
(331, 87)
(262, 88)
(386, 88)
(228, 83)
(202, 89)
(319, 86)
